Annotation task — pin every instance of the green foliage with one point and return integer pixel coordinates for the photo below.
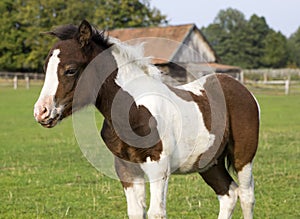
(294, 48)
(228, 34)
(275, 50)
(230, 20)
(247, 43)
(23, 49)
(127, 13)
(257, 30)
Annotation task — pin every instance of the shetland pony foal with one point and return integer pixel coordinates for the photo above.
(154, 129)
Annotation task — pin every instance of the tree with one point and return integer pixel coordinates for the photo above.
(275, 50)
(258, 30)
(230, 37)
(230, 20)
(127, 13)
(246, 43)
(23, 49)
(294, 49)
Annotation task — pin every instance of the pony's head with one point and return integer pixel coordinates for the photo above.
(64, 65)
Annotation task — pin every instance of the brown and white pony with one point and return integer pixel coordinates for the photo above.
(154, 129)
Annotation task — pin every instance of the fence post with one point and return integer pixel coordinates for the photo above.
(15, 80)
(27, 81)
(242, 77)
(265, 77)
(287, 86)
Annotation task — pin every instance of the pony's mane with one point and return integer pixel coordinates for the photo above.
(133, 55)
(70, 31)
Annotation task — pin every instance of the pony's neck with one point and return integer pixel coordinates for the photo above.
(128, 64)
(106, 95)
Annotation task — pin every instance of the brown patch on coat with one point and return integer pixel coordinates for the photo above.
(244, 121)
(219, 123)
(135, 153)
(118, 129)
(242, 130)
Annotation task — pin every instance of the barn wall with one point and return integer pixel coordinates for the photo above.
(181, 73)
(194, 50)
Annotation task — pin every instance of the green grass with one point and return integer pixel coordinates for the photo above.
(43, 173)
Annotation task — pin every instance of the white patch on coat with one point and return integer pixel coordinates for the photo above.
(246, 190)
(228, 202)
(180, 123)
(195, 86)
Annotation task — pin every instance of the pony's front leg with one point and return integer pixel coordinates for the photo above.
(158, 173)
(133, 182)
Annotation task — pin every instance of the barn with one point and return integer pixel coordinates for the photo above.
(180, 51)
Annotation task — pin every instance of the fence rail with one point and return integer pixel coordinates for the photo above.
(15, 79)
(273, 79)
(272, 74)
(22, 75)
(267, 79)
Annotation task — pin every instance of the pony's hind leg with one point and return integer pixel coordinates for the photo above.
(246, 190)
(218, 178)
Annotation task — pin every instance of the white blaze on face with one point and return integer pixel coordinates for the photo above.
(46, 99)
(51, 80)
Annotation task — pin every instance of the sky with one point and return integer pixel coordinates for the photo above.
(281, 15)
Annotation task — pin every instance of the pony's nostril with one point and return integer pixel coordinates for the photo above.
(44, 110)
(42, 113)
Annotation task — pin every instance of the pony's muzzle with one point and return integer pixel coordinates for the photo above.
(41, 113)
(46, 113)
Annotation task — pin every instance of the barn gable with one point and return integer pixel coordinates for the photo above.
(200, 50)
(177, 50)
(181, 37)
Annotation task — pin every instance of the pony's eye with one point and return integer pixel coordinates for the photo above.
(70, 72)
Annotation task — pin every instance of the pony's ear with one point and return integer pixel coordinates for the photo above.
(85, 33)
(63, 32)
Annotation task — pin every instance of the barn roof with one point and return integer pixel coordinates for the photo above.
(176, 33)
(221, 68)
(165, 51)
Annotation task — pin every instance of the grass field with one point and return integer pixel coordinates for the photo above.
(43, 173)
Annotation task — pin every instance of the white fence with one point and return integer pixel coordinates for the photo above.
(13, 79)
(283, 78)
(272, 79)
(272, 74)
